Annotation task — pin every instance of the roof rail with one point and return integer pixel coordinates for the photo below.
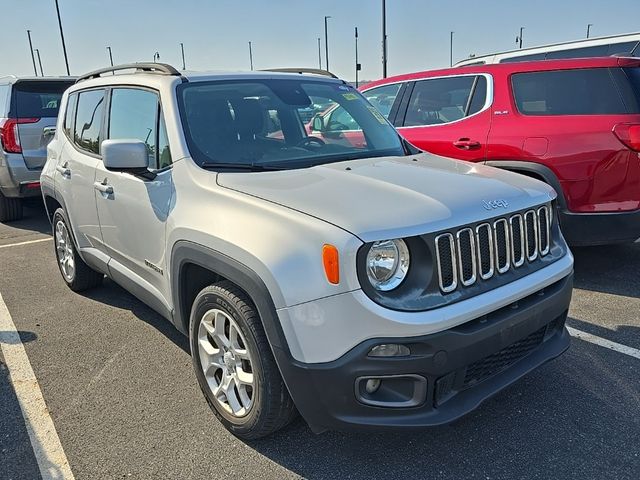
(301, 71)
(147, 67)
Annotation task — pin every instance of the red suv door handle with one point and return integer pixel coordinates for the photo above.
(466, 144)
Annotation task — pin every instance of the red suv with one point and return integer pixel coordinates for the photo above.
(574, 124)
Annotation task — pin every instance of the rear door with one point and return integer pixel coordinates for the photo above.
(564, 119)
(448, 116)
(36, 103)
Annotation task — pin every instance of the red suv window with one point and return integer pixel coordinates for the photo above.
(591, 91)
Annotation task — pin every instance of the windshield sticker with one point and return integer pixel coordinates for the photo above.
(350, 96)
(344, 87)
(377, 114)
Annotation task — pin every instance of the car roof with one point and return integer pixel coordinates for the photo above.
(511, 67)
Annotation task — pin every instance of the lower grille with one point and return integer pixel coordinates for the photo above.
(501, 360)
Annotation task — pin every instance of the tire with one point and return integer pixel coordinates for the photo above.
(77, 275)
(10, 209)
(250, 411)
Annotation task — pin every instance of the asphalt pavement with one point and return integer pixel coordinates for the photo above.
(118, 383)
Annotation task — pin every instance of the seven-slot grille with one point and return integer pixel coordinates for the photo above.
(469, 255)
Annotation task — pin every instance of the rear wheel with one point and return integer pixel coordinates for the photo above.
(234, 364)
(77, 274)
(10, 209)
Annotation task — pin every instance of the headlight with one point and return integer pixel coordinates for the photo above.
(387, 264)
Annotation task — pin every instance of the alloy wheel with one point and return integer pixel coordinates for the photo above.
(226, 362)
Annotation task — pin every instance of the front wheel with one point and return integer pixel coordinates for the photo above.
(234, 364)
(76, 274)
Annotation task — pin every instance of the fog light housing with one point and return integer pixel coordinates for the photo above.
(390, 350)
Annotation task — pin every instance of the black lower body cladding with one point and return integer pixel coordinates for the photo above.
(581, 229)
(447, 375)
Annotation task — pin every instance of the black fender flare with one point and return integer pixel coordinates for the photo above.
(185, 252)
(542, 171)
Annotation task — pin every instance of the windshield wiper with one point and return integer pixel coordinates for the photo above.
(251, 167)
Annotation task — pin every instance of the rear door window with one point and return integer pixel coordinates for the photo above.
(88, 125)
(444, 100)
(567, 92)
(37, 99)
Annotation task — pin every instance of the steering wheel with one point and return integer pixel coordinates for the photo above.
(306, 141)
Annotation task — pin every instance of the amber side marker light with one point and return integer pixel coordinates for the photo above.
(330, 262)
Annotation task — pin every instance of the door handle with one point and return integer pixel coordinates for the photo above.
(103, 188)
(64, 170)
(48, 131)
(466, 144)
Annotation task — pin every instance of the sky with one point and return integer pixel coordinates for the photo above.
(284, 33)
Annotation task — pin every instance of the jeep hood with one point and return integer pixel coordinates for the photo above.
(391, 197)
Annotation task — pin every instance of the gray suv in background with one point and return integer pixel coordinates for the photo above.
(28, 112)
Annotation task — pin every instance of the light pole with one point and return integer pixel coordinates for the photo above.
(326, 42)
(319, 54)
(451, 49)
(39, 62)
(250, 56)
(156, 57)
(64, 47)
(589, 29)
(33, 58)
(519, 37)
(384, 39)
(184, 66)
(110, 56)
(358, 66)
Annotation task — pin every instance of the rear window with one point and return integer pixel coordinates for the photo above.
(568, 92)
(37, 99)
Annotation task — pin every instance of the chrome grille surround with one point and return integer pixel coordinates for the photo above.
(502, 225)
(531, 243)
(486, 228)
(517, 225)
(544, 229)
(471, 254)
(451, 286)
(464, 262)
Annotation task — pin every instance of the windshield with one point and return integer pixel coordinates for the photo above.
(281, 123)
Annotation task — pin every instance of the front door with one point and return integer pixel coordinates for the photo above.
(133, 214)
(448, 116)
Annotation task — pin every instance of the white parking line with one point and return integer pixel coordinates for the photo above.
(52, 461)
(603, 342)
(26, 243)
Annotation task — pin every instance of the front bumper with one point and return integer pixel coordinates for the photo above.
(581, 229)
(453, 370)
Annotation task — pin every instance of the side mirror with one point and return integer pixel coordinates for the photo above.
(318, 123)
(125, 156)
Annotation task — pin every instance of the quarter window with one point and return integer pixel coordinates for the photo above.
(567, 92)
(88, 124)
(383, 97)
(444, 100)
(69, 114)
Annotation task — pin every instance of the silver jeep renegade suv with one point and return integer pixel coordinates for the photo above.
(343, 275)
